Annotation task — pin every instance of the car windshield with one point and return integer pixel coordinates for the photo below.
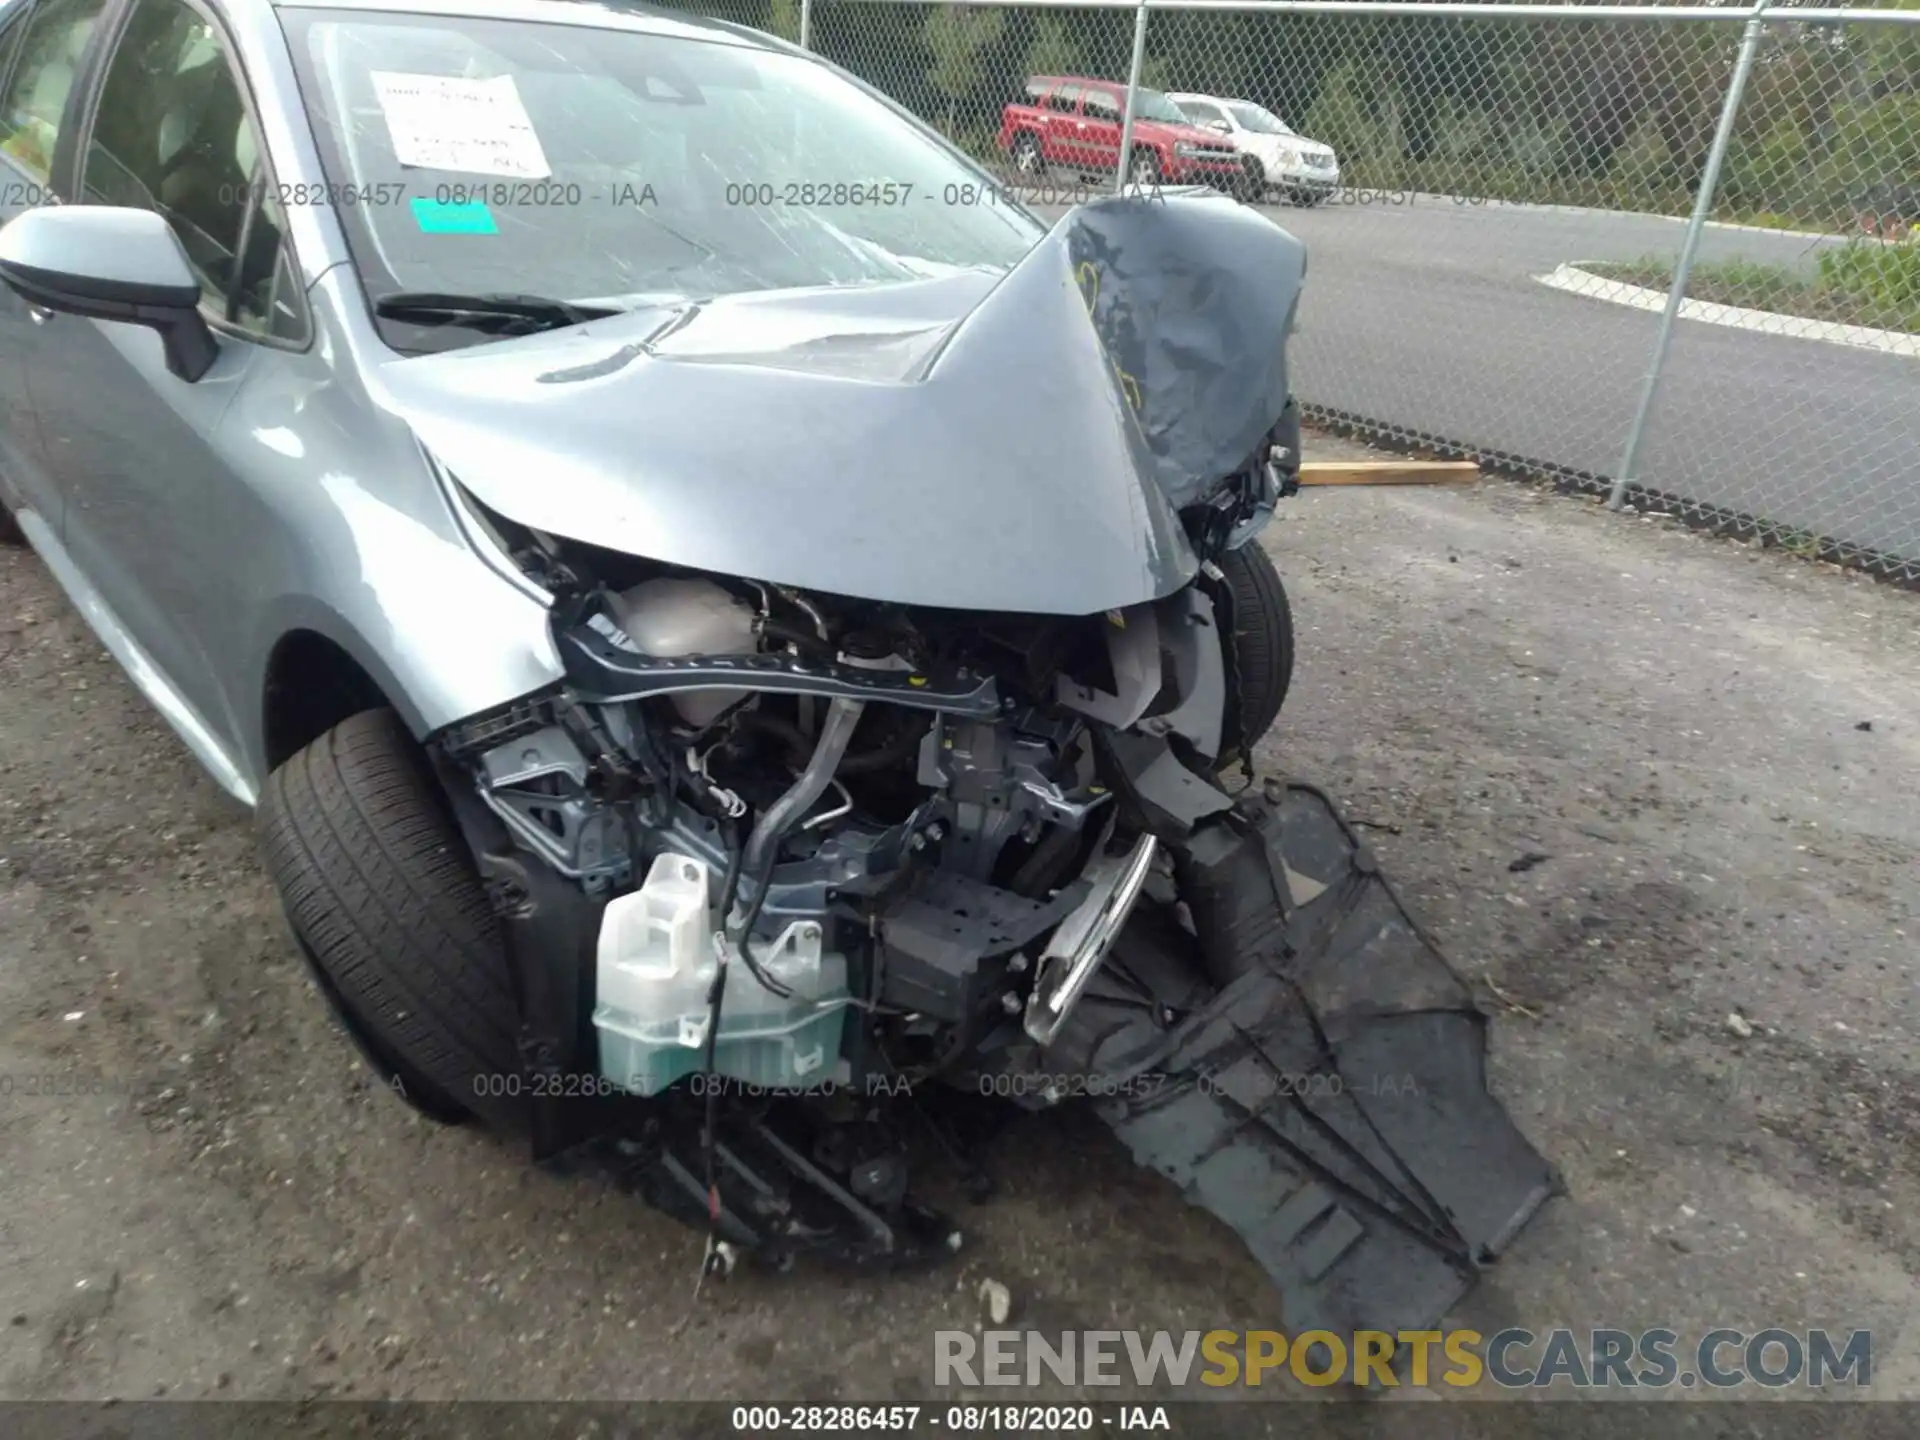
(1152, 105)
(1260, 122)
(479, 157)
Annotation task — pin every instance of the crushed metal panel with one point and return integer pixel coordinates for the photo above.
(1193, 300)
(1038, 429)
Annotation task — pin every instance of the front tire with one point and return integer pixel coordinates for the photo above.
(1253, 180)
(1262, 647)
(1027, 159)
(384, 898)
(1143, 170)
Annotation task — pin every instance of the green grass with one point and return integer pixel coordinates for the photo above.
(1864, 283)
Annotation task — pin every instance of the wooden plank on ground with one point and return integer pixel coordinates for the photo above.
(1389, 472)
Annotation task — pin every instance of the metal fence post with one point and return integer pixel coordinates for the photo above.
(1683, 268)
(1133, 85)
(806, 23)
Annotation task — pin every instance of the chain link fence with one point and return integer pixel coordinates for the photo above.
(1668, 254)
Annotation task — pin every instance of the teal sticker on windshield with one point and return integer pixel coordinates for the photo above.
(435, 217)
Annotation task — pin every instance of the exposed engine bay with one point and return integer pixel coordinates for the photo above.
(897, 831)
(782, 869)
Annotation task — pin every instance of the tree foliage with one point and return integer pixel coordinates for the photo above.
(957, 38)
(1606, 113)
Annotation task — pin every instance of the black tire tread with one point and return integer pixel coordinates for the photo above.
(1253, 183)
(1262, 638)
(378, 884)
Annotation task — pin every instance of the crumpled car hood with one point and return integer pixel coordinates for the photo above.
(1017, 442)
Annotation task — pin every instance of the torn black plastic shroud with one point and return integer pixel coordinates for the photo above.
(1330, 1104)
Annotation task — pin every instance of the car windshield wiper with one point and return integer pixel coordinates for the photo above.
(496, 314)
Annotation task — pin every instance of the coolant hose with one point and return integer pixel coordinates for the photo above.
(779, 818)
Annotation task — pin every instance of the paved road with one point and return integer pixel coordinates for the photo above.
(1427, 316)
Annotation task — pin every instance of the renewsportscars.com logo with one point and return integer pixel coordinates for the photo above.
(1510, 1359)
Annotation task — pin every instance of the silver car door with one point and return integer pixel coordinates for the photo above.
(154, 512)
(41, 48)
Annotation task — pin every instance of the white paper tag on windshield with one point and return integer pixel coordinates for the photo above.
(446, 122)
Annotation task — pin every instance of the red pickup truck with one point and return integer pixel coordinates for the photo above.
(1072, 123)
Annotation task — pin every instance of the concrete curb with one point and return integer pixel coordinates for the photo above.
(1490, 207)
(1826, 237)
(1575, 281)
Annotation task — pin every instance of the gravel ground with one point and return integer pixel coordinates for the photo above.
(1679, 724)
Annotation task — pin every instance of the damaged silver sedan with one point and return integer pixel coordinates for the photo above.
(736, 632)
